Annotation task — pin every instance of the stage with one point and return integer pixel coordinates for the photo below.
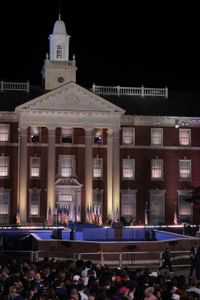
(138, 243)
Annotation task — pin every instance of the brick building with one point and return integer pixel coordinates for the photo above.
(129, 152)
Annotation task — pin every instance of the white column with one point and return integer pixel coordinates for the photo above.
(116, 172)
(51, 169)
(109, 174)
(22, 166)
(88, 168)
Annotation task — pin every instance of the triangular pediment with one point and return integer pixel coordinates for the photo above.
(72, 182)
(70, 97)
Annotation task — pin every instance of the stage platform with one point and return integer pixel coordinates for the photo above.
(77, 241)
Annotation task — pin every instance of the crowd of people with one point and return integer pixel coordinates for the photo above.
(49, 279)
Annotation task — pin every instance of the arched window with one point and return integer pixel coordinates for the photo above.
(59, 51)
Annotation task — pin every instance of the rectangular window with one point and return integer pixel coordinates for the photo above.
(98, 204)
(156, 169)
(4, 202)
(157, 207)
(35, 167)
(184, 207)
(98, 136)
(66, 165)
(67, 134)
(128, 171)
(35, 135)
(184, 137)
(128, 204)
(4, 132)
(97, 168)
(34, 203)
(185, 169)
(65, 198)
(128, 136)
(4, 166)
(156, 136)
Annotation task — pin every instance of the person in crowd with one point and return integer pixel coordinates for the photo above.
(166, 262)
(195, 261)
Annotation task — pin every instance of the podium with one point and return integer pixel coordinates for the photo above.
(56, 233)
(118, 227)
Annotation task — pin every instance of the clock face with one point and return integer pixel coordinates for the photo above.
(60, 79)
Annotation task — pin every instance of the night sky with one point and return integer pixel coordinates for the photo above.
(128, 44)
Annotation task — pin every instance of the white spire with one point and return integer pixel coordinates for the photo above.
(59, 42)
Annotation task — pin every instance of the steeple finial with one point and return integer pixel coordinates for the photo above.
(59, 12)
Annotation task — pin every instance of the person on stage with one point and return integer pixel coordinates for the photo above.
(166, 259)
(195, 261)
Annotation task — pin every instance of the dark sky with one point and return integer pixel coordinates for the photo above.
(128, 43)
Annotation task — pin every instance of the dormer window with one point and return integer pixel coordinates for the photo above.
(59, 52)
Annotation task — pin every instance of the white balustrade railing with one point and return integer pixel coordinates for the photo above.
(130, 91)
(15, 86)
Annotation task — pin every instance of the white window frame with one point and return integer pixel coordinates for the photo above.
(4, 202)
(185, 169)
(156, 168)
(4, 132)
(4, 166)
(184, 137)
(128, 203)
(157, 207)
(128, 168)
(186, 210)
(97, 201)
(97, 168)
(65, 197)
(128, 136)
(66, 169)
(35, 167)
(34, 204)
(66, 135)
(156, 136)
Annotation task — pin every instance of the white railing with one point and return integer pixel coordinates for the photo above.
(15, 86)
(130, 91)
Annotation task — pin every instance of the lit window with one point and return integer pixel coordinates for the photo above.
(98, 136)
(4, 202)
(66, 165)
(67, 134)
(128, 203)
(128, 171)
(59, 51)
(34, 195)
(184, 137)
(4, 166)
(65, 198)
(184, 207)
(97, 167)
(128, 135)
(35, 135)
(185, 169)
(98, 203)
(157, 207)
(156, 169)
(4, 132)
(35, 167)
(156, 136)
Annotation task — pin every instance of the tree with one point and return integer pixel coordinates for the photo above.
(194, 196)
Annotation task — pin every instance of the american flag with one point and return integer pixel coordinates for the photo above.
(50, 217)
(175, 217)
(117, 214)
(146, 221)
(59, 215)
(89, 214)
(78, 214)
(18, 218)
